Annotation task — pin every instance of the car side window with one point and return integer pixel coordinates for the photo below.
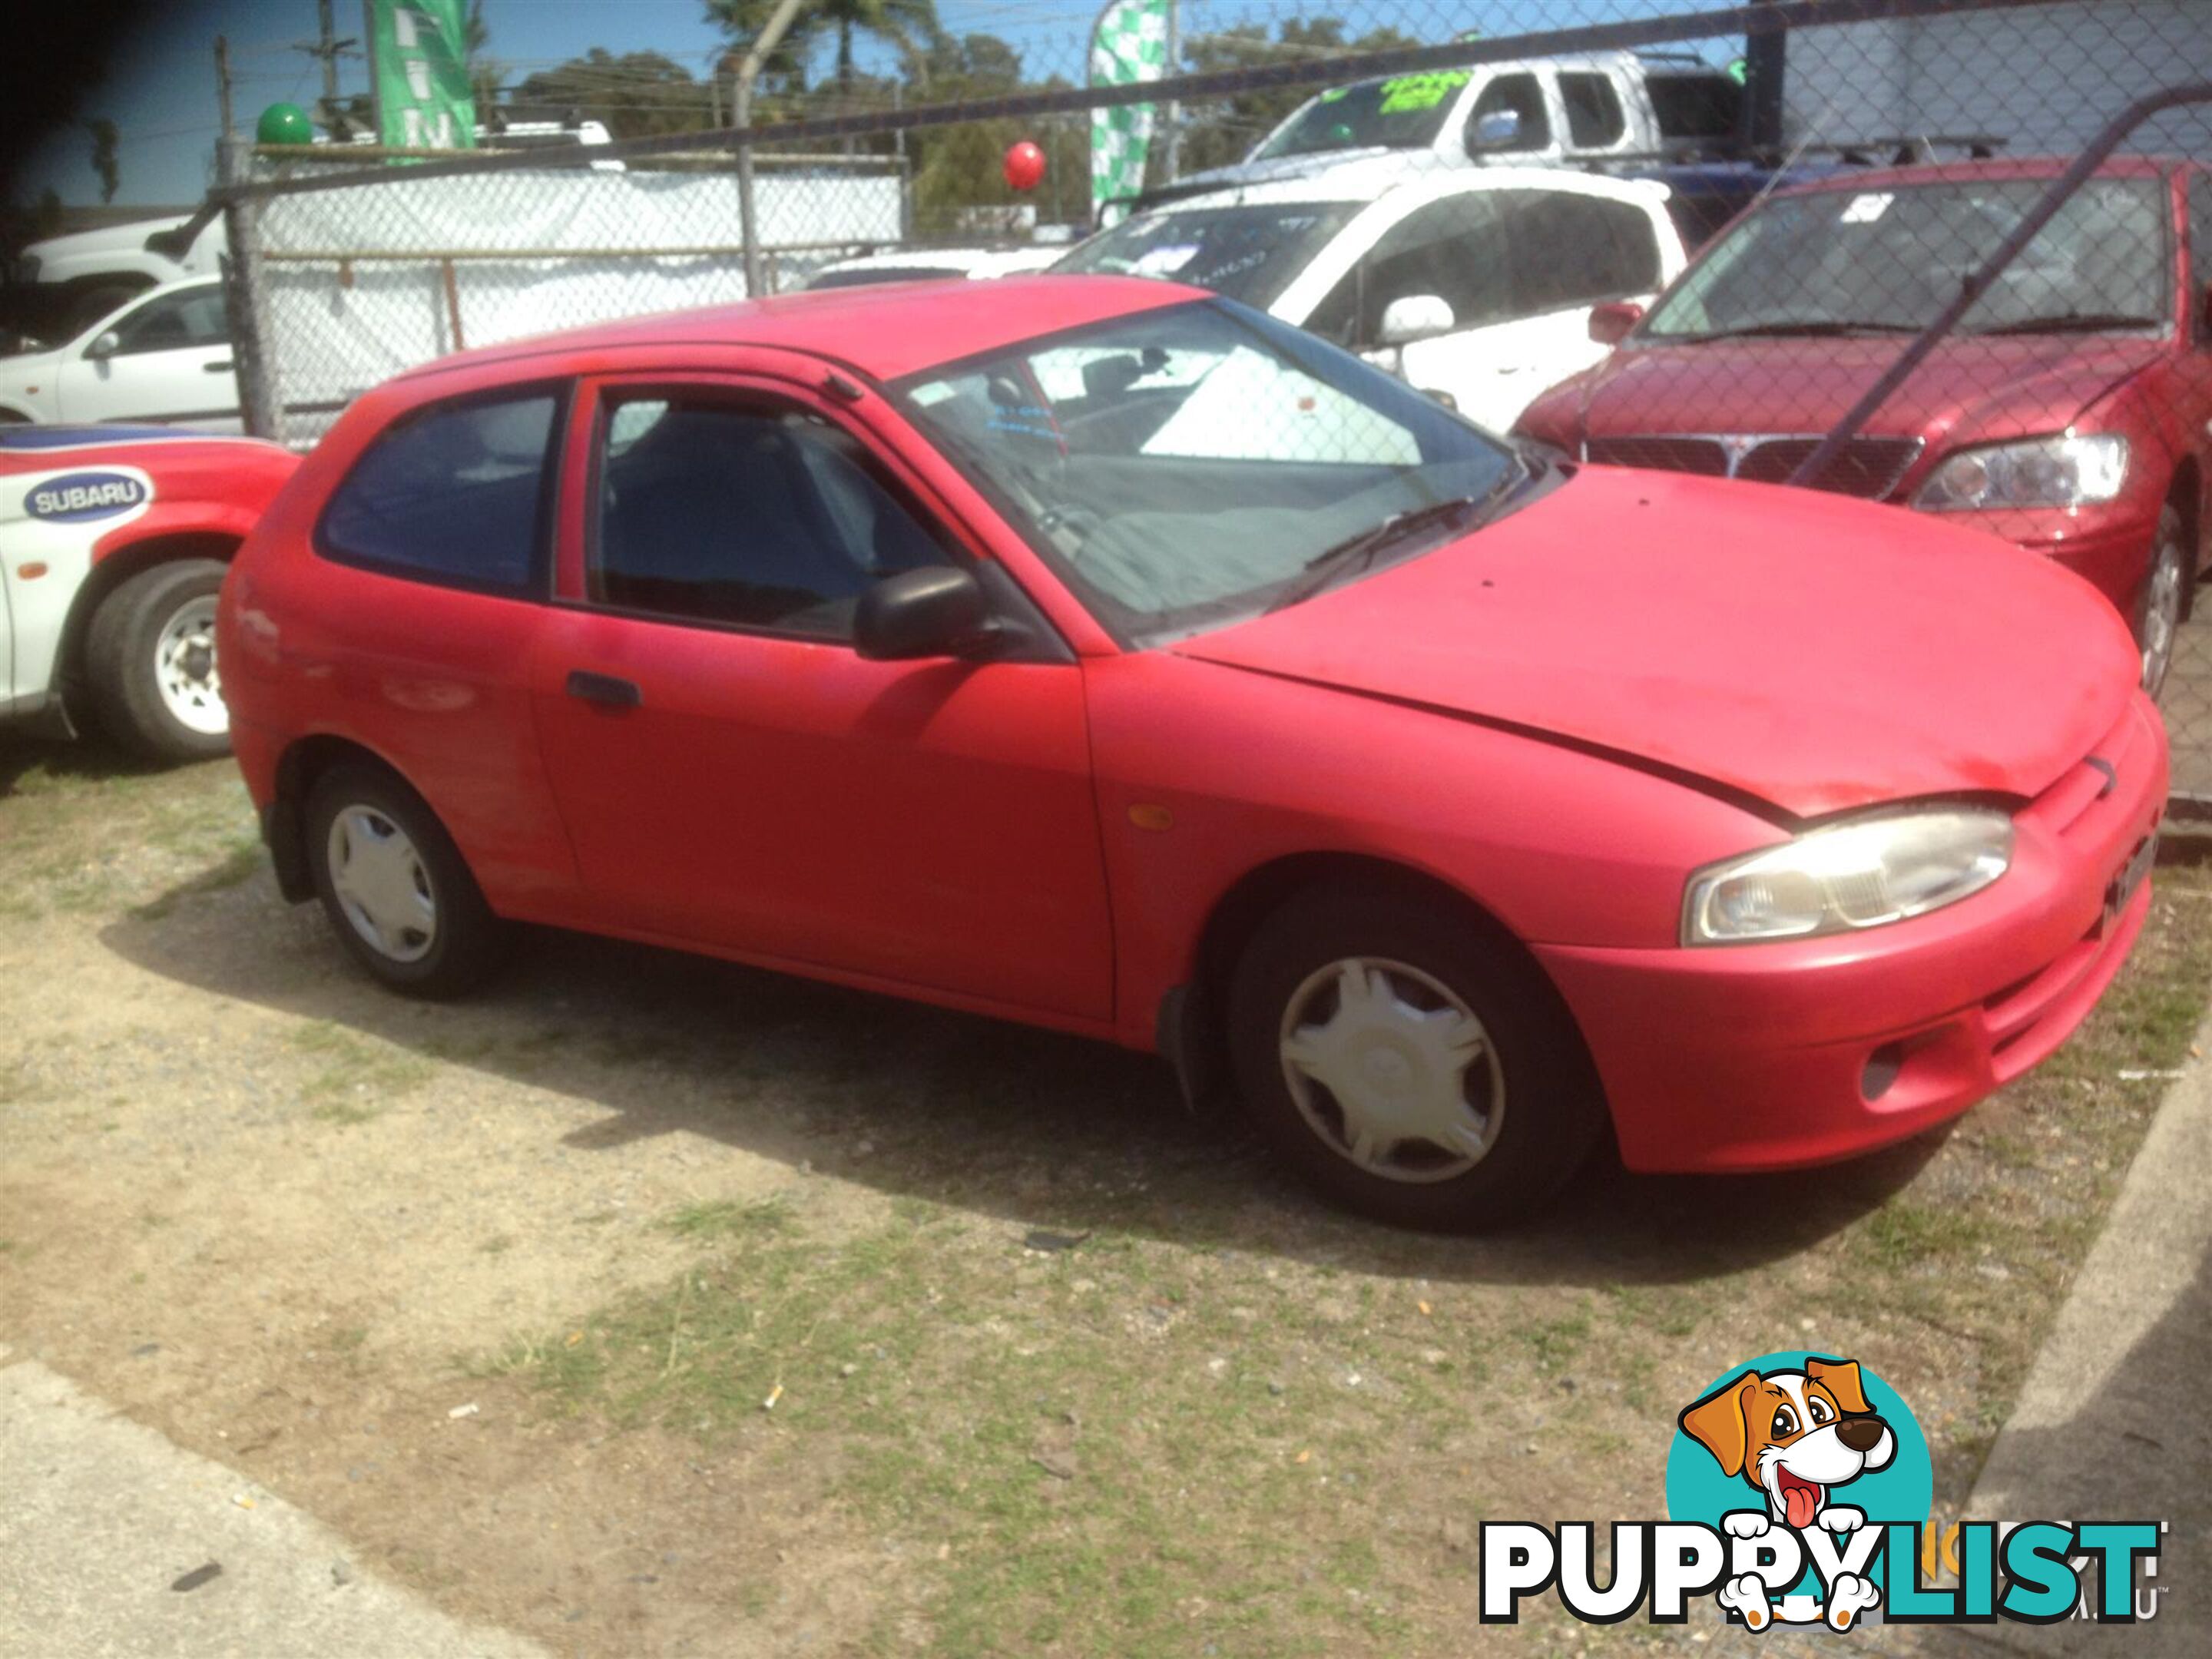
(173, 322)
(1569, 249)
(1454, 249)
(1594, 119)
(1522, 94)
(745, 515)
(454, 494)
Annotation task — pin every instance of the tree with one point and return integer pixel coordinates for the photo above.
(1215, 135)
(103, 161)
(908, 27)
(637, 95)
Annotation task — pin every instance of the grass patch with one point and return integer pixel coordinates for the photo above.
(241, 864)
(357, 1079)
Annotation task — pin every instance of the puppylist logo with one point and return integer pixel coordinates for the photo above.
(1798, 1492)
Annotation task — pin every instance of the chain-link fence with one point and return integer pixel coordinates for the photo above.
(1527, 224)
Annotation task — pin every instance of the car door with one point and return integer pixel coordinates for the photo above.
(734, 775)
(166, 359)
(1562, 252)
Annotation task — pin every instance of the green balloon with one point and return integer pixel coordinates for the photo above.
(284, 124)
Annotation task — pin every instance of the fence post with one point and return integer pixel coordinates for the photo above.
(246, 298)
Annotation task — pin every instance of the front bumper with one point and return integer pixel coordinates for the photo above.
(1773, 1056)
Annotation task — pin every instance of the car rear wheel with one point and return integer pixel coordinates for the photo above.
(1407, 1063)
(2165, 598)
(150, 667)
(395, 890)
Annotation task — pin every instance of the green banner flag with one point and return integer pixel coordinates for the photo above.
(1129, 45)
(418, 55)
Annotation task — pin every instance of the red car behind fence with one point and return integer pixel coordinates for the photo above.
(2069, 414)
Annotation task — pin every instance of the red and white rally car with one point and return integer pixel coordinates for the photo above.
(114, 542)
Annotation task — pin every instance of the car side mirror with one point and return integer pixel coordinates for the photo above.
(1610, 324)
(936, 611)
(105, 345)
(1497, 129)
(1416, 317)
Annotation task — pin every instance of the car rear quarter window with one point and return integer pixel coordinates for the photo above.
(454, 494)
(1696, 106)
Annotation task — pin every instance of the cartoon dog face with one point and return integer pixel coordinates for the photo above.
(1793, 1435)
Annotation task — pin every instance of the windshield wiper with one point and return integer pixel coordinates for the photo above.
(1355, 553)
(2071, 322)
(1809, 325)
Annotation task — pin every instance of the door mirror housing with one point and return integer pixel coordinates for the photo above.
(1499, 129)
(936, 611)
(1610, 323)
(104, 345)
(1416, 317)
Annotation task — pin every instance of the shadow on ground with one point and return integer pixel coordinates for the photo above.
(1001, 1119)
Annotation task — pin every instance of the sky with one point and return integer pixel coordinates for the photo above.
(161, 88)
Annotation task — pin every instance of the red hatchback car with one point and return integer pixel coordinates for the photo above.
(1102, 654)
(2069, 413)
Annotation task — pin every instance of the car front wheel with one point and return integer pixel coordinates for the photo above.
(150, 667)
(395, 890)
(1409, 1063)
(2165, 600)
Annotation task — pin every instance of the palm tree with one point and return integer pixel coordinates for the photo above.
(907, 26)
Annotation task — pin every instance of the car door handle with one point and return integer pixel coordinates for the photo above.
(604, 689)
(222, 367)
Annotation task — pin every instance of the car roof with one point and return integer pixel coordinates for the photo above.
(2010, 167)
(885, 329)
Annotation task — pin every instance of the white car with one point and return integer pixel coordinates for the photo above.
(113, 542)
(919, 264)
(1476, 284)
(162, 357)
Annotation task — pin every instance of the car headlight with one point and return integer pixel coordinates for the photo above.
(1859, 873)
(2066, 470)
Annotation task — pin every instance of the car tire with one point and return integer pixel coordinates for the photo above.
(2164, 604)
(1443, 1025)
(397, 890)
(149, 664)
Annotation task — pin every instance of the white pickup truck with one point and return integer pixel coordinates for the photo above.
(1536, 112)
(1476, 284)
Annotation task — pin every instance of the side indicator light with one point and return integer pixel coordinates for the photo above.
(33, 571)
(1152, 818)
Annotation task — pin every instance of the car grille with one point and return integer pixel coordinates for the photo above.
(1702, 455)
(1866, 467)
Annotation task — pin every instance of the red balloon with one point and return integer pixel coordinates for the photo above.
(1025, 166)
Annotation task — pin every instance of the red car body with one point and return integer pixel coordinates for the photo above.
(2156, 391)
(1557, 719)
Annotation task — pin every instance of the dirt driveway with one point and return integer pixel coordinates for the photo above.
(505, 1291)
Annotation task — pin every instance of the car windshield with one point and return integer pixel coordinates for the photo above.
(1401, 112)
(1842, 261)
(1187, 466)
(1250, 253)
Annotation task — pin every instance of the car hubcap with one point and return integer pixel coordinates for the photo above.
(2161, 616)
(185, 670)
(1392, 1070)
(381, 884)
